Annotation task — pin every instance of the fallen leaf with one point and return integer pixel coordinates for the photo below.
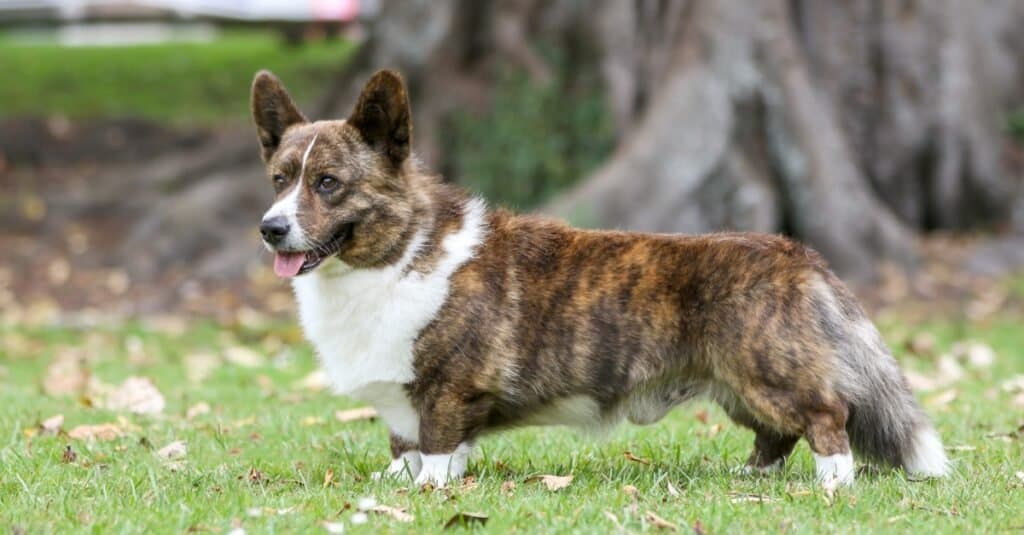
(69, 455)
(328, 478)
(174, 450)
(96, 432)
(976, 354)
(922, 344)
(255, 476)
(920, 382)
(702, 416)
(631, 491)
(738, 497)
(137, 395)
(198, 409)
(1013, 384)
(553, 483)
(950, 370)
(464, 519)
(314, 382)
(614, 519)
(199, 366)
(67, 375)
(672, 490)
(629, 456)
(659, 522)
(943, 398)
(310, 421)
(352, 415)
(397, 513)
(244, 357)
(52, 425)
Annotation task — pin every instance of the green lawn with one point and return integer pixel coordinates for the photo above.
(271, 456)
(178, 83)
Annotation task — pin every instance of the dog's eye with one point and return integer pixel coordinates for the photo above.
(327, 184)
(279, 181)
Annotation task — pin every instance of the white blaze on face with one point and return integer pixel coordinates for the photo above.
(289, 208)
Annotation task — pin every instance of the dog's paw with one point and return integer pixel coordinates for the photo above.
(407, 466)
(438, 470)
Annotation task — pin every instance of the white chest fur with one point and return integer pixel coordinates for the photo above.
(364, 322)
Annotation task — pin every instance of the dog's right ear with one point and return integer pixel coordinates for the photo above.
(273, 110)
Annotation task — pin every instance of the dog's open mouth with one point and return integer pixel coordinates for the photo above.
(293, 263)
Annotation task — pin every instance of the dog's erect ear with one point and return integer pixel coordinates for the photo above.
(273, 110)
(382, 115)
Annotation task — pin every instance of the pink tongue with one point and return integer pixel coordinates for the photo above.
(288, 264)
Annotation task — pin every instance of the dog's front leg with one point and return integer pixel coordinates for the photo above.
(405, 458)
(448, 426)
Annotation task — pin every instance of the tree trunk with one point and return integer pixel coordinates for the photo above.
(852, 125)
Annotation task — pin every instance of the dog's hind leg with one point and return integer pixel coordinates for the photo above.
(771, 447)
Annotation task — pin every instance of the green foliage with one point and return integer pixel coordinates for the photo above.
(262, 456)
(1015, 125)
(194, 83)
(533, 141)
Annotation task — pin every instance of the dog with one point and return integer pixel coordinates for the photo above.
(454, 320)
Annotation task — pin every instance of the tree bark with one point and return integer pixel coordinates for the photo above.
(853, 125)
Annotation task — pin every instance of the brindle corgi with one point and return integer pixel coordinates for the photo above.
(454, 320)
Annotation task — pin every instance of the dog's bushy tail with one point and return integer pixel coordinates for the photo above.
(885, 422)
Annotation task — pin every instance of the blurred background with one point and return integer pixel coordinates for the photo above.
(888, 134)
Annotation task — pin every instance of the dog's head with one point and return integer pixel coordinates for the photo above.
(340, 186)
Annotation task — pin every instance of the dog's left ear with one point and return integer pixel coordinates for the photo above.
(383, 116)
(273, 110)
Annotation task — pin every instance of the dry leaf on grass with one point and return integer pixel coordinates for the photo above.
(199, 366)
(672, 490)
(96, 432)
(69, 456)
(1013, 384)
(314, 382)
(553, 483)
(739, 497)
(174, 450)
(52, 425)
(629, 456)
(659, 522)
(67, 375)
(244, 357)
(137, 395)
(922, 344)
(464, 519)
(198, 409)
(310, 421)
(975, 354)
(396, 513)
(352, 415)
(943, 398)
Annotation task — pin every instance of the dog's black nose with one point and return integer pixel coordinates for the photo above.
(274, 229)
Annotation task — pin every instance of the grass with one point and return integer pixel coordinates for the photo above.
(177, 83)
(269, 443)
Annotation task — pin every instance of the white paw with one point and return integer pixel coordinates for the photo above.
(834, 471)
(408, 466)
(439, 469)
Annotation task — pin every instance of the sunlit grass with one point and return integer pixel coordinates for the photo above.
(178, 83)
